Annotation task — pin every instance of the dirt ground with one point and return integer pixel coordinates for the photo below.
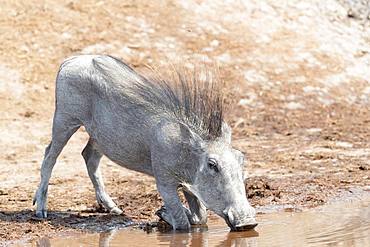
(297, 77)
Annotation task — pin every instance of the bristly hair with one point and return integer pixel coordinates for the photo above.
(193, 97)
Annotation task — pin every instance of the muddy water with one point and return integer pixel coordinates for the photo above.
(340, 224)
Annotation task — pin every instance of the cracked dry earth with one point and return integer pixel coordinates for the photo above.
(297, 80)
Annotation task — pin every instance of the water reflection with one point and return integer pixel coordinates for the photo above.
(345, 224)
(199, 237)
(240, 239)
(202, 238)
(105, 238)
(43, 242)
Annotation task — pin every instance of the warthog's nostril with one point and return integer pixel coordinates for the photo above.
(244, 228)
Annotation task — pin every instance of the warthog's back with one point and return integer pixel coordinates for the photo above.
(100, 92)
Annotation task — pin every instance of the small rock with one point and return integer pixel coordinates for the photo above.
(214, 43)
(294, 106)
(361, 167)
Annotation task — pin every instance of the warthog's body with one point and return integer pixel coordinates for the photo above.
(150, 127)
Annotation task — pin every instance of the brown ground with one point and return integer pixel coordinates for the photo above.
(298, 83)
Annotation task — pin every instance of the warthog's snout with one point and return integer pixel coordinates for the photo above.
(240, 220)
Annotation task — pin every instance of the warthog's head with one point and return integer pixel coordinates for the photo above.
(219, 182)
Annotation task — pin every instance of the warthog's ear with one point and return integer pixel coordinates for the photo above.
(194, 141)
(226, 133)
(239, 156)
(176, 136)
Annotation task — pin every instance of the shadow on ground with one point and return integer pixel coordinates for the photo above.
(80, 220)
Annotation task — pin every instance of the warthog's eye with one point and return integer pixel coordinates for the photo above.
(212, 163)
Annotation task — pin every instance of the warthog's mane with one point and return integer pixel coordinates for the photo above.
(191, 97)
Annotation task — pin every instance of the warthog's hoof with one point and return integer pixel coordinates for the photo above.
(163, 215)
(41, 214)
(116, 210)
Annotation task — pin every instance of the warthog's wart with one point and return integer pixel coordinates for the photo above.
(173, 131)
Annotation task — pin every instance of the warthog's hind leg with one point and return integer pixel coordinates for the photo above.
(63, 129)
(92, 158)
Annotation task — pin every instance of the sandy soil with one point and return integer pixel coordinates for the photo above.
(297, 79)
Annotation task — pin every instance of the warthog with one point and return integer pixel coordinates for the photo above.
(172, 131)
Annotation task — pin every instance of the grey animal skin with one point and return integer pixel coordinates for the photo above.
(174, 133)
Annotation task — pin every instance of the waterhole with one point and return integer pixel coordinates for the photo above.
(338, 224)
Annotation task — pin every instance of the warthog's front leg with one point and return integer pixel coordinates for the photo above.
(173, 211)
